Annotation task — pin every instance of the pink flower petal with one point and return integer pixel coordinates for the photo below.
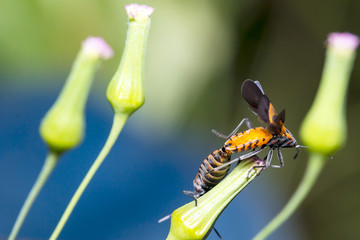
(138, 12)
(98, 46)
(345, 41)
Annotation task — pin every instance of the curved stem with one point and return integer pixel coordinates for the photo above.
(48, 167)
(118, 124)
(313, 169)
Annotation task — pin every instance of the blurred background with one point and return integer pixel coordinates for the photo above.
(198, 55)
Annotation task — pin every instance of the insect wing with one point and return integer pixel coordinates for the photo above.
(272, 115)
(265, 110)
(260, 104)
(259, 86)
(251, 93)
(280, 118)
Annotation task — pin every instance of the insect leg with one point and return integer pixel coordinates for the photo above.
(250, 154)
(269, 157)
(245, 156)
(193, 195)
(280, 157)
(248, 124)
(248, 175)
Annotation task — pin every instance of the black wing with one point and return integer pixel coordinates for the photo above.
(255, 97)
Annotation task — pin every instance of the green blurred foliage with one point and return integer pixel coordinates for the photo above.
(42, 36)
(199, 53)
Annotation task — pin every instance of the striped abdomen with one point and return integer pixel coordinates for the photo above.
(250, 139)
(204, 181)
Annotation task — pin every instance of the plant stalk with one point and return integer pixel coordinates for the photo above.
(47, 169)
(313, 170)
(118, 124)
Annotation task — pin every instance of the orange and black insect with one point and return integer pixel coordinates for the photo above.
(207, 177)
(274, 135)
(215, 167)
(212, 171)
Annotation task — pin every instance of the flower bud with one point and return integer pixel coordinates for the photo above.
(195, 222)
(126, 91)
(62, 127)
(324, 127)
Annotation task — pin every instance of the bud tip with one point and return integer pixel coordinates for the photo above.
(138, 12)
(97, 46)
(345, 41)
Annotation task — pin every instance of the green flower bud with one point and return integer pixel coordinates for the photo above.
(62, 127)
(126, 91)
(190, 222)
(324, 127)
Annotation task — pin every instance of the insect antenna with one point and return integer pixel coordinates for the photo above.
(218, 134)
(217, 233)
(297, 149)
(164, 218)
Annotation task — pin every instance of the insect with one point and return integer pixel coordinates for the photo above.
(274, 135)
(212, 171)
(207, 177)
(215, 167)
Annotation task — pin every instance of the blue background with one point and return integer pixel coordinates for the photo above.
(140, 182)
(198, 55)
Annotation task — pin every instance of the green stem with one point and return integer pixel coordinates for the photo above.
(48, 167)
(190, 222)
(118, 124)
(314, 167)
